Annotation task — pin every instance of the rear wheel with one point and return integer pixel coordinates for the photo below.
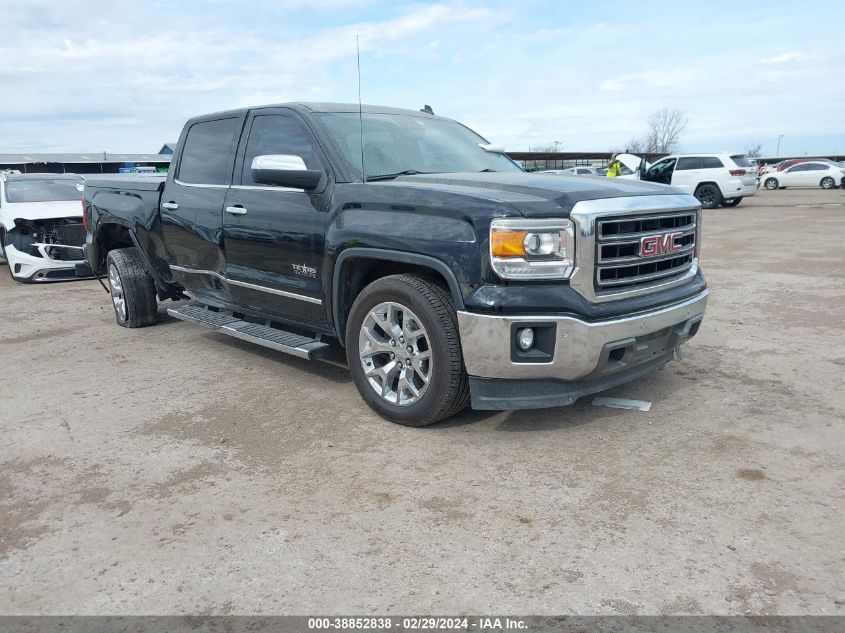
(828, 183)
(132, 290)
(709, 196)
(771, 184)
(731, 202)
(404, 352)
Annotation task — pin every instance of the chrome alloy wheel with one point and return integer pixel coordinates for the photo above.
(395, 353)
(117, 293)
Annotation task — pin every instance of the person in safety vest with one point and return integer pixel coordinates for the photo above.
(614, 167)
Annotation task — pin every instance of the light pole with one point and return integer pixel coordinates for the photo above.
(777, 155)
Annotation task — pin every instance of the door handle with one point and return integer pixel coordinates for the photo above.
(170, 206)
(236, 210)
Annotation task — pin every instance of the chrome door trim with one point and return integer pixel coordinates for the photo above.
(243, 284)
(191, 184)
(585, 215)
(267, 188)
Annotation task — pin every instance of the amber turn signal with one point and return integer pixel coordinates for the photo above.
(507, 243)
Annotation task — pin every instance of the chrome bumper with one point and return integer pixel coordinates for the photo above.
(581, 349)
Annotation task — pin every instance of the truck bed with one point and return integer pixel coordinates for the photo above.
(138, 182)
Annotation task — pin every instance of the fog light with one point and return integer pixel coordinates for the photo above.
(525, 339)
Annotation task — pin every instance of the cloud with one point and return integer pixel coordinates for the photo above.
(793, 56)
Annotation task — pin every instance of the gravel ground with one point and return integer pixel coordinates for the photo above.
(173, 470)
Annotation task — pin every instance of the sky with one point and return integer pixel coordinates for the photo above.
(124, 76)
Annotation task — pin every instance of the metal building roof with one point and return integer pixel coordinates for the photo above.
(92, 157)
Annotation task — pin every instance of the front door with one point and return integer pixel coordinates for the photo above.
(192, 207)
(661, 171)
(274, 236)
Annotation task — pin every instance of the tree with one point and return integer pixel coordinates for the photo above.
(752, 150)
(554, 146)
(635, 146)
(665, 128)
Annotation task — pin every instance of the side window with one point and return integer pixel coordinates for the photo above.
(661, 171)
(688, 163)
(584, 172)
(817, 167)
(278, 134)
(711, 162)
(801, 167)
(207, 154)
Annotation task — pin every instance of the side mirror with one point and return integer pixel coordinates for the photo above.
(283, 170)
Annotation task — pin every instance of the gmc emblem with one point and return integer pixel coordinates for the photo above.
(660, 244)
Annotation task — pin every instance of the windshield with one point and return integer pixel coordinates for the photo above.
(395, 143)
(46, 190)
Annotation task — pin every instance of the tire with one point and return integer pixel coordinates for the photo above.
(770, 183)
(413, 304)
(3, 246)
(731, 202)
(828, 183)
(132, 289)
(709, 196)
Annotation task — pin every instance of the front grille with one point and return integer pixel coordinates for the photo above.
(620, 264)
(64, 253)
(71, 234)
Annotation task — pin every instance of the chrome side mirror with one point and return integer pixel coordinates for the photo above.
(284, 170)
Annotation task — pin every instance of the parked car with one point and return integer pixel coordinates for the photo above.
(41, 231)
(786, 164)
(450, 275)
(715, 179)
(824, 174)
(574, 171)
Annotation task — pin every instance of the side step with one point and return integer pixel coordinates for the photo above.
(279, 340)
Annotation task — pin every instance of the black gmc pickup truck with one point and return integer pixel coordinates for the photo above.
(449, 274)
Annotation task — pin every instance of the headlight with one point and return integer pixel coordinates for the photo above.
(532, 249)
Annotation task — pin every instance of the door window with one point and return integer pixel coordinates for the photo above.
(711, 162)
(207, 153)
(662, 171)
(801, 167)
(689, 162)
(278, 134)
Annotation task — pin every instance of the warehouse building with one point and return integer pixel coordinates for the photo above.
(91, 163)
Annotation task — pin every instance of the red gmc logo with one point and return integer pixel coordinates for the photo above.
(660, 244)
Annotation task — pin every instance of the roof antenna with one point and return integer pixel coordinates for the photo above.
(360, 109)
(427, 109)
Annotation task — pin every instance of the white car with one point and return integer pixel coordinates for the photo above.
(574, 171)
(715, 179)
(826, 175)
(41, 231)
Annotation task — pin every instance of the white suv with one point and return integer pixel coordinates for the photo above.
(715, 179)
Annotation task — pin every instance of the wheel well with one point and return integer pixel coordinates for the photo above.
(708, 182)
(359, 272)
(110, 237)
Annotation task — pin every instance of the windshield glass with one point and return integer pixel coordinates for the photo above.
(46, 190)
(395, 143)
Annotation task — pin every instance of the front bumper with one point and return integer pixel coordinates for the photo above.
(26, 267)
(581, 356)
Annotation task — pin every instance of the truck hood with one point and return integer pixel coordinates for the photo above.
(42, 210)
(533, 195)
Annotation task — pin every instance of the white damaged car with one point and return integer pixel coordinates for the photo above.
(41, 230)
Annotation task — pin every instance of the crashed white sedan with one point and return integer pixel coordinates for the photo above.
(41, 230)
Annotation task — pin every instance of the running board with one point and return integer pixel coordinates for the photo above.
(279, 340)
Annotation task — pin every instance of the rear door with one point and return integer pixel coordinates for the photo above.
(274, 236)
(687, 173)
(192, 206)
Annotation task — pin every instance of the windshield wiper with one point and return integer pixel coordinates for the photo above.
(407, 172)
(488, 169)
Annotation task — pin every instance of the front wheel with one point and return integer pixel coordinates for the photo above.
(731, 202)
(404, 351)
(828, 183)
(771, 184)
(709, 196)
(132, 290)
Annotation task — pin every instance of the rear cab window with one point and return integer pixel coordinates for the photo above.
(208, 152)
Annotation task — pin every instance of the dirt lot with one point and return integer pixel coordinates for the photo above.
(174, 470)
